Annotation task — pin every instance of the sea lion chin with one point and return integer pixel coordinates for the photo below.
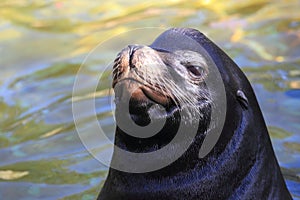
(172, 74)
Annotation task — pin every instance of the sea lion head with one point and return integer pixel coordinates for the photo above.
(156, 82)
(172, 79)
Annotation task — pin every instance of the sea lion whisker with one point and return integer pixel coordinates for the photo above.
(176, 91)
(116, 75)
(167, 92)
(116, 67)
(164, 85)
(115, 71)
(188, 100)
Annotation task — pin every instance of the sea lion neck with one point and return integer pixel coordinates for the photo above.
(229, 162)
(191, 171)
(126, 141)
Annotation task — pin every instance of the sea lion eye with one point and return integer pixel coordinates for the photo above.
(195, 70)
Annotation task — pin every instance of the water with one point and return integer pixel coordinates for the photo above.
(44, 43)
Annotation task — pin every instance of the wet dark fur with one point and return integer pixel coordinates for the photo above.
(242, 165)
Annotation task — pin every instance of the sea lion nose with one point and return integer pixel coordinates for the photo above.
(124, 62)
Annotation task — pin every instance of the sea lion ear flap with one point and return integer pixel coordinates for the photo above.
(242, 99)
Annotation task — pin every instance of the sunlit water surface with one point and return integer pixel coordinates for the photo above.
(44, 43)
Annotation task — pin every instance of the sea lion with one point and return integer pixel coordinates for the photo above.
(172, 73)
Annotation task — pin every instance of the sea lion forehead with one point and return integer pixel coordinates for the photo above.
(176, 39)
(182, 40)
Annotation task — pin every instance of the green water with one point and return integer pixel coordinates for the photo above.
(44, 43)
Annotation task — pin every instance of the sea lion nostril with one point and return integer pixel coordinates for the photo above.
(132, 49)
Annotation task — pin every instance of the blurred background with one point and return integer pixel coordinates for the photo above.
(44, 42)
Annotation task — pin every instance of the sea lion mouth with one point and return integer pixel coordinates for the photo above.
(143, 92)
(140, 100)
(156, 96)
